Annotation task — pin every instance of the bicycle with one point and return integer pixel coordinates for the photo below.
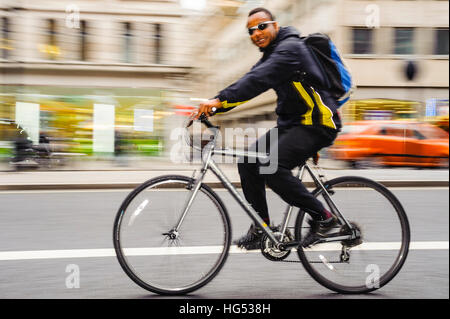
(172, 234)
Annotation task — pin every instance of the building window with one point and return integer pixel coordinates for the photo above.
(441, 44)
(404, 41)
(362, 41)
(51, 49)
(5, 42)
(83, 41)
(127, 37)
(158, 40)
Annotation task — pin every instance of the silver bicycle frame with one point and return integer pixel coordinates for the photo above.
(208, 163)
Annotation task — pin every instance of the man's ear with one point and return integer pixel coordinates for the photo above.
(276, 26)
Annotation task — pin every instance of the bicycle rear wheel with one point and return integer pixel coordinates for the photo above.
(159, 259)
(377, 257)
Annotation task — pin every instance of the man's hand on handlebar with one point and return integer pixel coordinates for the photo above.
(208, 107)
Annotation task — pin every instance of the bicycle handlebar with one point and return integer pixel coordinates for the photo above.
(203, 119)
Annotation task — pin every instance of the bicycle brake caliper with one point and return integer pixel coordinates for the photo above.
(192, 181)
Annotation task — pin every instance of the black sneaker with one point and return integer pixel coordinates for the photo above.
(318, 230)
(252, 240)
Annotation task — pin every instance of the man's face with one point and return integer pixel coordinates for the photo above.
(262, 38)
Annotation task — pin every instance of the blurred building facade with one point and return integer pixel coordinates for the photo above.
(67, 60)
(378, 40)
(113, 36)
(67, 56)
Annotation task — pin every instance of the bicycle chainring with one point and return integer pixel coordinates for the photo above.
(270, 251)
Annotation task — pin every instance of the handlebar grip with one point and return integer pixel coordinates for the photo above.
(205, 121)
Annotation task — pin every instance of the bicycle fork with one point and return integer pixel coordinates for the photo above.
(194, 188)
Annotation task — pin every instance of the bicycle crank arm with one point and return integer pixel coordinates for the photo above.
(335, 238)
(289, 245)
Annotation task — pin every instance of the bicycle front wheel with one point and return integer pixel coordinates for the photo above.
(370, 262)
(158, 256)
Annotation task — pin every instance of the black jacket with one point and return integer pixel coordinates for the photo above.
(283, 67)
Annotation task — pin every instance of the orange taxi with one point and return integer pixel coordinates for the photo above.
(391, 143)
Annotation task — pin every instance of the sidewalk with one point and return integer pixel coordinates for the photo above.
(104, 175)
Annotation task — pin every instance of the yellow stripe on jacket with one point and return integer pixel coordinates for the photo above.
(326, 118)
(229, 106)
(307, 120)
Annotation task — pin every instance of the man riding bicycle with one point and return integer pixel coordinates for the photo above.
(307, 121)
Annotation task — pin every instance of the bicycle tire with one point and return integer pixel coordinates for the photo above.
(130, 269)
(400, 258)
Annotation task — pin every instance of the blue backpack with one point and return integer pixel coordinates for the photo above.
(337, 75)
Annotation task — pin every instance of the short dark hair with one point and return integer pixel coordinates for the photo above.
(256, 10)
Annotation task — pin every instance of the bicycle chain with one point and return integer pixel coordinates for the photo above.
(289, 261)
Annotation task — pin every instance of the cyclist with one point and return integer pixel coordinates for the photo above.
(307, 122)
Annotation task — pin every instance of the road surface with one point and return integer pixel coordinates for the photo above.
(57, 234)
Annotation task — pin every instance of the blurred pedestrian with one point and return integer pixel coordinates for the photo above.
(120, 148)
(22, 145)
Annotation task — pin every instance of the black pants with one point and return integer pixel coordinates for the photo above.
(288, 148)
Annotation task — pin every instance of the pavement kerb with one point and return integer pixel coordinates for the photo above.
(93, 186)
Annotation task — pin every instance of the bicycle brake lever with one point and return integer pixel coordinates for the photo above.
(204, 119)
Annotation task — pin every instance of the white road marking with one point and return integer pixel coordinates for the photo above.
(431, 188)
(159, 251)
(50, 191)
(417, 245)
